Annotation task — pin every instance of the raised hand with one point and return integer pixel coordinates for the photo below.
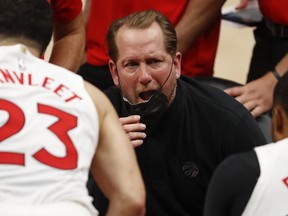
(134, 129)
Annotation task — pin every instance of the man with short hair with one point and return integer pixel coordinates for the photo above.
(181, 129)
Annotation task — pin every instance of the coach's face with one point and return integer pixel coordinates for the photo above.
(144, 65)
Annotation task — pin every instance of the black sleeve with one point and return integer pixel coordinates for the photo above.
(232, 185)
(248, 128)
(244, 137)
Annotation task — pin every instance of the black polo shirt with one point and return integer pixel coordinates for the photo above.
(202, 126)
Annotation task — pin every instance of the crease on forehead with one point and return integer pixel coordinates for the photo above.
(131, 40)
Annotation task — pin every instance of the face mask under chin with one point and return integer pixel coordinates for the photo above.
(150, 111)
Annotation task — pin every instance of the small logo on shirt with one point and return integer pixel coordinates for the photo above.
(21, 64)
(285, 180)
(190, 169)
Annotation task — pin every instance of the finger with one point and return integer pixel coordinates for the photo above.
(134, 127)
(235, 91)
(136, 143)
(129, 119)
(250, 105)
(246, 98)
(259, 110)
(136, 135)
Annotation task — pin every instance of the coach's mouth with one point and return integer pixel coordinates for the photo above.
(146, 95)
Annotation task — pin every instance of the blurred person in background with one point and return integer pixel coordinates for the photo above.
(269, 58)
(197, 23)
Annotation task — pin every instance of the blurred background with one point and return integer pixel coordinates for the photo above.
(234, 50)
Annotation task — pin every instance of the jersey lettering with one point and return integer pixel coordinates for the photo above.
(15, 123)
(59, 89)
(65, 123)
(9, 129)
(285, 180)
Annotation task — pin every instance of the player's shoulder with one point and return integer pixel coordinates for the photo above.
(237, 164)
(100, 100)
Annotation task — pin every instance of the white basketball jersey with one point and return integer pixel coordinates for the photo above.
(270, 195)
(48, 132)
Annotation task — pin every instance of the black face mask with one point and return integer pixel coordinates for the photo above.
(150, 111)
(153, 109)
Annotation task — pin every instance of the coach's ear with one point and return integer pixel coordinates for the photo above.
(279, 123)
(114, 72)
(177, 64)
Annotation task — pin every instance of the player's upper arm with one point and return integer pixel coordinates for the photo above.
(115, 166)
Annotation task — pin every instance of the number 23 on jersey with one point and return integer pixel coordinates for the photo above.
(15, 123)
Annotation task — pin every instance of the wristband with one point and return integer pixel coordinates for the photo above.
(276, 74)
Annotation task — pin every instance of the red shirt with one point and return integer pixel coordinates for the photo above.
(198, 60)
(275, 10)
(65, 10)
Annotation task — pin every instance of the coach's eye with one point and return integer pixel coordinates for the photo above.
(131, 67)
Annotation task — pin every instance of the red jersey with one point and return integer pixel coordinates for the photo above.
(197, 60)
(64, 10)
(276, 11)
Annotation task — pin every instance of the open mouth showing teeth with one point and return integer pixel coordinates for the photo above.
(146, 95)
